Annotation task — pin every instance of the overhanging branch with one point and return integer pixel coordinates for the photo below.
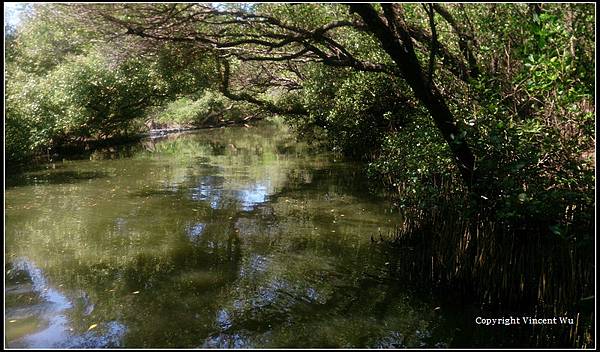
(225, 90)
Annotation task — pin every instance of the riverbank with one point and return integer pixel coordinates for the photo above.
(82, 148)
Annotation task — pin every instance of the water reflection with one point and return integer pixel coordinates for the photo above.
(227, 341)
(53, 175)
(253, 195)
(195, 231)
(223, 238)
(50, 314)
(213, 190)
(209, 189)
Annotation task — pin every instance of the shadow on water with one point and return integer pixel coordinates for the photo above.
(104, 151)
(223, 238)
(519, 272)
(53, 177)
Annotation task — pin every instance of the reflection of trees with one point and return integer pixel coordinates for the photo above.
(174, 289)
(273, 240)
(318, 295)
(52, 176)
(310, 276)
(42, 323)
(126, 233)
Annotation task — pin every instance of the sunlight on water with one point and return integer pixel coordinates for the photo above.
(187, 242)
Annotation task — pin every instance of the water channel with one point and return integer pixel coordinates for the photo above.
(227, 237)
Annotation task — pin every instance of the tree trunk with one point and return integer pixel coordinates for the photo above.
(396, 41)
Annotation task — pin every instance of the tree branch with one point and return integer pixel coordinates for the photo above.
(296, 110)
(463, 39)
(430, 14)
(397, 42)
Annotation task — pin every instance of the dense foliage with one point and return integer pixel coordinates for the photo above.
(66, 83)
(484, 110)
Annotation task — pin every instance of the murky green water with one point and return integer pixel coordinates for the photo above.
(235, 237)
